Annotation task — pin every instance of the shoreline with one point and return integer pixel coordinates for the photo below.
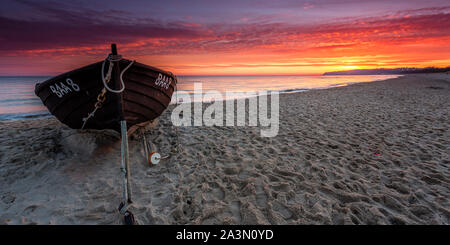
(45, 114)
(366, 153)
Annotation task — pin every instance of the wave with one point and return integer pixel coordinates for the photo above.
(24, 116)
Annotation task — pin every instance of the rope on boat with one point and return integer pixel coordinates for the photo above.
(111, 59)
(101, 97)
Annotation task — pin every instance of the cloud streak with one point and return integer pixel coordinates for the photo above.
(63, 31)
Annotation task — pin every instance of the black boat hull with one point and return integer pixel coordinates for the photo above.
(71, 96)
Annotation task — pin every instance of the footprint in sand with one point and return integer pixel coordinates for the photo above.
(261, 197)
(30, 209)
(8, 198)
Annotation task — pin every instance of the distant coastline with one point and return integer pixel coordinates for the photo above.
(393, 71)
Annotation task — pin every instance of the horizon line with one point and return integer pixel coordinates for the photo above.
(231, 75)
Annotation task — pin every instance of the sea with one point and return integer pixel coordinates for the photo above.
(18, 101)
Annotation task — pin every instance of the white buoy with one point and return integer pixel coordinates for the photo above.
(154, 158)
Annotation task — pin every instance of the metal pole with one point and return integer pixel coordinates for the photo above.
(125, 168)
(124, 163)
(123, 126)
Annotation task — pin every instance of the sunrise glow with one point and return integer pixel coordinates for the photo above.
(206, 38)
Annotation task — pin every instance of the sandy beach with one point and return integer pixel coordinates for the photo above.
(368, 153)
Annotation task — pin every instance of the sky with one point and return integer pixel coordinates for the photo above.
(232, 37)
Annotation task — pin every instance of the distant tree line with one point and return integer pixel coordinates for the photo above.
(393, 71)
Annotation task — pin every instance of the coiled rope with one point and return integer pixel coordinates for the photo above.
(101, 97)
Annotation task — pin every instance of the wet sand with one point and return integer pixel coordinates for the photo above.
(369, 153)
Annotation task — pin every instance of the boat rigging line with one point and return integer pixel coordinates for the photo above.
(102, 96)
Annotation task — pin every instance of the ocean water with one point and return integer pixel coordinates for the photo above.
(282, 84)
(18, 101)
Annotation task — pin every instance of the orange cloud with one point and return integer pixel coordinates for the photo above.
(416, 38)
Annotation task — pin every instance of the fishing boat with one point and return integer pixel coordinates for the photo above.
(100, 95)
(115, 93)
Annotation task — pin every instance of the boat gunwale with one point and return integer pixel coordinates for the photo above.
(40, 86)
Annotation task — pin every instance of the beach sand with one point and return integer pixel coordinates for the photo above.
(369, 153)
